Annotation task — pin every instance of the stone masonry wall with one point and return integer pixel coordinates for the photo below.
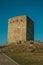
(18, 29)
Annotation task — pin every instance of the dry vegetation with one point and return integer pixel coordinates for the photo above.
(25, 53)
(27, 58)
(24, 46)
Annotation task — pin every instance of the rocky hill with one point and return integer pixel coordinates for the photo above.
(23, 46)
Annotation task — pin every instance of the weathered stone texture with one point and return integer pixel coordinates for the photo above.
(20, 28)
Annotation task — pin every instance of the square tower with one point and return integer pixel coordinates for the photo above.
(20, 28)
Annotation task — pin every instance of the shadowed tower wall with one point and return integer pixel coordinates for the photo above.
(29, 29)
(20, 28)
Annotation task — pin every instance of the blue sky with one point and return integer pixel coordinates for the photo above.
(10, 8)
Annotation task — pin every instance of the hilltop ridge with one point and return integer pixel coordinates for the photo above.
(23, 46)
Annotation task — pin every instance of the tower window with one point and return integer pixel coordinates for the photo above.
(10, 22)
(13, 21)
(17, 20)
(21, 20)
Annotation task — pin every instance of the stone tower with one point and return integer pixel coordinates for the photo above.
(20, 28)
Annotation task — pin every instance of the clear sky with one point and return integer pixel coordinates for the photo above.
(32, 8)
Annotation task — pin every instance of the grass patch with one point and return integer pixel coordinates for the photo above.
(24, 58)
(25, 53)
